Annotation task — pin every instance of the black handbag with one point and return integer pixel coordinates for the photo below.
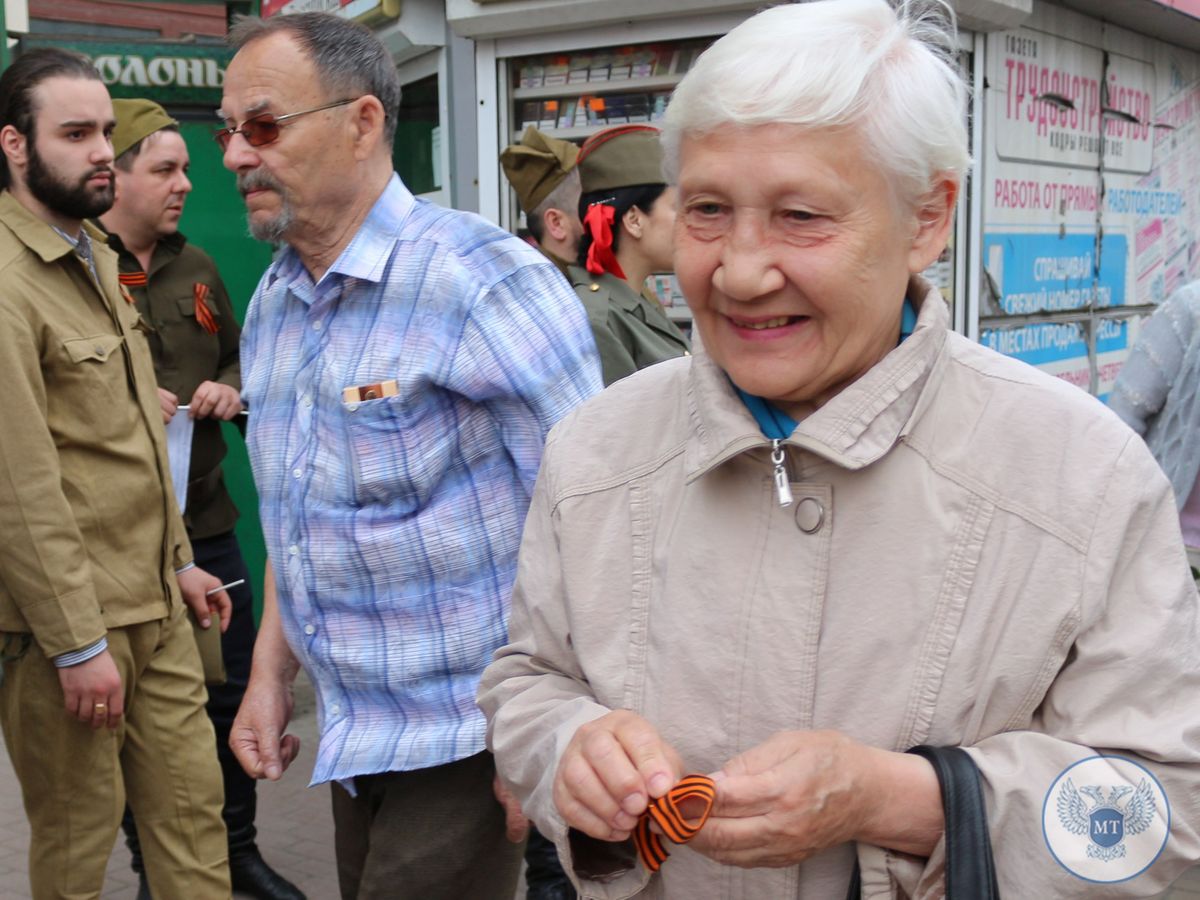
(970, 869)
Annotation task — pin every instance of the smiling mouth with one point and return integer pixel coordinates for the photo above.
(764, 324)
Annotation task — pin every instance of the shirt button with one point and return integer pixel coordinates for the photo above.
(352, 407)
(334, 709)
(310, 629)
(294, 549)
(307, 401)
(297, 473)
(317, 325)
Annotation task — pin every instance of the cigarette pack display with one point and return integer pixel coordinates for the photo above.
(663, 57)
(622, 65)
(578, 69)
(658, 104)
(531, 114)
(684, 57)
(597, 114)
(566, 112)
(600, 66)
(556, 71)
(531, 74)
(549, 118)
(617, 110)
(581, 112)
(643, 63)
(637, 107)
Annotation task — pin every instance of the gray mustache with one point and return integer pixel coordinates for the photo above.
(257, 180)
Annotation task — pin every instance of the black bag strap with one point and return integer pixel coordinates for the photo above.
(970, 868)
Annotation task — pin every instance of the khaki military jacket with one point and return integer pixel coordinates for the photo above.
(631, 331)
(978, 555)
(89, 532)
(185, 354)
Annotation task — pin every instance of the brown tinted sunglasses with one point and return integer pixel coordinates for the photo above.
(264, 128)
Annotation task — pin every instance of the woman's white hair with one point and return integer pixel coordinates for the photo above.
(890, 73)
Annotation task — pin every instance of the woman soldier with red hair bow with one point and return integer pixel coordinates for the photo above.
(628, 215)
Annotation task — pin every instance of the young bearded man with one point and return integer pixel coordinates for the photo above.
(102, 696)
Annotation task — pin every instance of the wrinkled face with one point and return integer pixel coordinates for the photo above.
(153, 190)
(295, 183)
(794, 256)
(658, 231)
(69, 154)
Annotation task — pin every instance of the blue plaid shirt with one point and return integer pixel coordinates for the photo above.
(392, 522)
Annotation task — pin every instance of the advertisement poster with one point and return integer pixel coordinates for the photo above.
(1092, 190)
(1060, 348)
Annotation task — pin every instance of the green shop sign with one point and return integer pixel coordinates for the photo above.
(172, 74)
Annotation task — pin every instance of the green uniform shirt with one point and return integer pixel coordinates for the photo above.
(186, 354)
(89, 532)
(631, 332)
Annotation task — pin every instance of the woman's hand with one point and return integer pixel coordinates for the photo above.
(610, 771)
(800, 792)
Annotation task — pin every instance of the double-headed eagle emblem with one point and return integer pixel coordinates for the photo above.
(1106, 821)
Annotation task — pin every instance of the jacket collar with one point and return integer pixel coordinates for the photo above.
(36, 233)
(853, 430)
(167, 248)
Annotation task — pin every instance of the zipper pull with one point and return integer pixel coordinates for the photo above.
(783, 488)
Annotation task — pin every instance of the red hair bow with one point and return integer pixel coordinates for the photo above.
(599, 223)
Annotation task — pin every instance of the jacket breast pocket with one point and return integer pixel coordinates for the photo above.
(187, 310)
(95, 376)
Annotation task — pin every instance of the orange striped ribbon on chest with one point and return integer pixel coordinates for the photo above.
(204, 315)
(133, 279)
(665, 813)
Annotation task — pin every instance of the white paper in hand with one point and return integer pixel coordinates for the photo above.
(179, 452)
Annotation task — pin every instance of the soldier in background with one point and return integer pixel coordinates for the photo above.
(194, 343)
(542, 171)
(628, 235)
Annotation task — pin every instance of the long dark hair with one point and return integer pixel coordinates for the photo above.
(622, 200)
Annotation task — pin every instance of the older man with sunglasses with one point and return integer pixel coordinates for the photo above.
(402, 364)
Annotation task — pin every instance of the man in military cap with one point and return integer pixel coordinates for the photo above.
(542, 171)
(101, 693)
(194, 343)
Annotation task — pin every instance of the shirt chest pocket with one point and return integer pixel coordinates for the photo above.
(398, 457)
(197, 314)
(95, 374)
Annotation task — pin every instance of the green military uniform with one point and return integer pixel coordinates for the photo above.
(91, 539)
(187, 353)
(561, 264)
(631, 331)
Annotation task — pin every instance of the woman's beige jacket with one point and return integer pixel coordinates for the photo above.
(989, 558)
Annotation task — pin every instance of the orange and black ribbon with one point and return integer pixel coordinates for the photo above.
(204, 315)
(599, 222)
(665, 813)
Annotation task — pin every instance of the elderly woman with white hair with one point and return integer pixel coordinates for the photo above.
(840, 531)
